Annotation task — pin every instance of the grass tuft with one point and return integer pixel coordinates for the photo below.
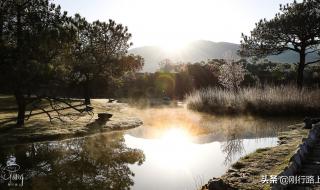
(271, 101)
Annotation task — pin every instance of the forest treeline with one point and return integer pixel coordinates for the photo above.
(175, 80)
(45, 54)
(48, 57)
(295, 28)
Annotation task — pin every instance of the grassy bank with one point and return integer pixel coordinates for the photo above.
(39, 128)
(271, 101)
(247, 172)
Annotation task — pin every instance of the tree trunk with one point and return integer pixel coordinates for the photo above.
(301, 67)
(86, 92)
(21, 103)
(1, 30)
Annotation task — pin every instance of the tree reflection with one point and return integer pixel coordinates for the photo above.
(233, 146)
(98, 162)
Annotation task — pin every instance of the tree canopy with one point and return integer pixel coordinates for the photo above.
(296, 28)
(99, 52)
(42, 49)
(32, 34)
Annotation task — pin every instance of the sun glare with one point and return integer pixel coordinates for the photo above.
(173, 147)
(176, 136)
(173, 46)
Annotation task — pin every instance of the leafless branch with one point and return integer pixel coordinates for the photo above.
(312, 62)
(311, 51)
(56, 109)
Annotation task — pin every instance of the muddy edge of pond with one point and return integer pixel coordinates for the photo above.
(43, 130)
(246, 173)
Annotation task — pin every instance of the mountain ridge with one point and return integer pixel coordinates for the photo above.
(202, 50)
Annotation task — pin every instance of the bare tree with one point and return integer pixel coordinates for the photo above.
(231, 75)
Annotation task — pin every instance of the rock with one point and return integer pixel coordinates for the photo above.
(219, 184)
(232, 170)
(307, 123)
(243, 179)
(103, 117)
(204, 187)
(235, 174)
(111, 100)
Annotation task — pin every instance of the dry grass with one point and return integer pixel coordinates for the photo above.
(272, 101)
(39, 128)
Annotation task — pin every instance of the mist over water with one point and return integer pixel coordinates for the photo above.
(174, 149)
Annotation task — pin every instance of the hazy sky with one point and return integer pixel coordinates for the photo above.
(171, 23)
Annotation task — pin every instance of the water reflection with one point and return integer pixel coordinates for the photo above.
(172, 149)
(176, 164)
(232, 148)
(99, 162)
(181, 146)
(207, 127)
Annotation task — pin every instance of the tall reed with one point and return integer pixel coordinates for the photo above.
(271, 100)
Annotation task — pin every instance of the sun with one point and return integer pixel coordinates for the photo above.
(172, 46)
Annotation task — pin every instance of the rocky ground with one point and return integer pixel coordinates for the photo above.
(248, 171)
(38, 128)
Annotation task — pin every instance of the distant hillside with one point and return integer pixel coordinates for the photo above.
(201, 51)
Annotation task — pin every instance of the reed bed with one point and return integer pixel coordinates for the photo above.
(270, 100)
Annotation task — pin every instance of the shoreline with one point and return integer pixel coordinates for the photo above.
(42, 130)
(21, 139)
(247, 171)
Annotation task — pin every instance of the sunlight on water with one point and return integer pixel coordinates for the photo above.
(184, 149)
(175, 149)
(172, 148)
(174, 161)
(176, 137)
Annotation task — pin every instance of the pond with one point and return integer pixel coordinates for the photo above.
(174, 149)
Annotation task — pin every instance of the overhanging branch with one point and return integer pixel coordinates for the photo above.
(312, 51)
(56, 109)
(312, 62)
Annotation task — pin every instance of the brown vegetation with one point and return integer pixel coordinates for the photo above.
(273, 101)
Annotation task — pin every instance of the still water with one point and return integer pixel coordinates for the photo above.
(174, 149)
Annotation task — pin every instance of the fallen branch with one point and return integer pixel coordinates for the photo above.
(57, 108)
